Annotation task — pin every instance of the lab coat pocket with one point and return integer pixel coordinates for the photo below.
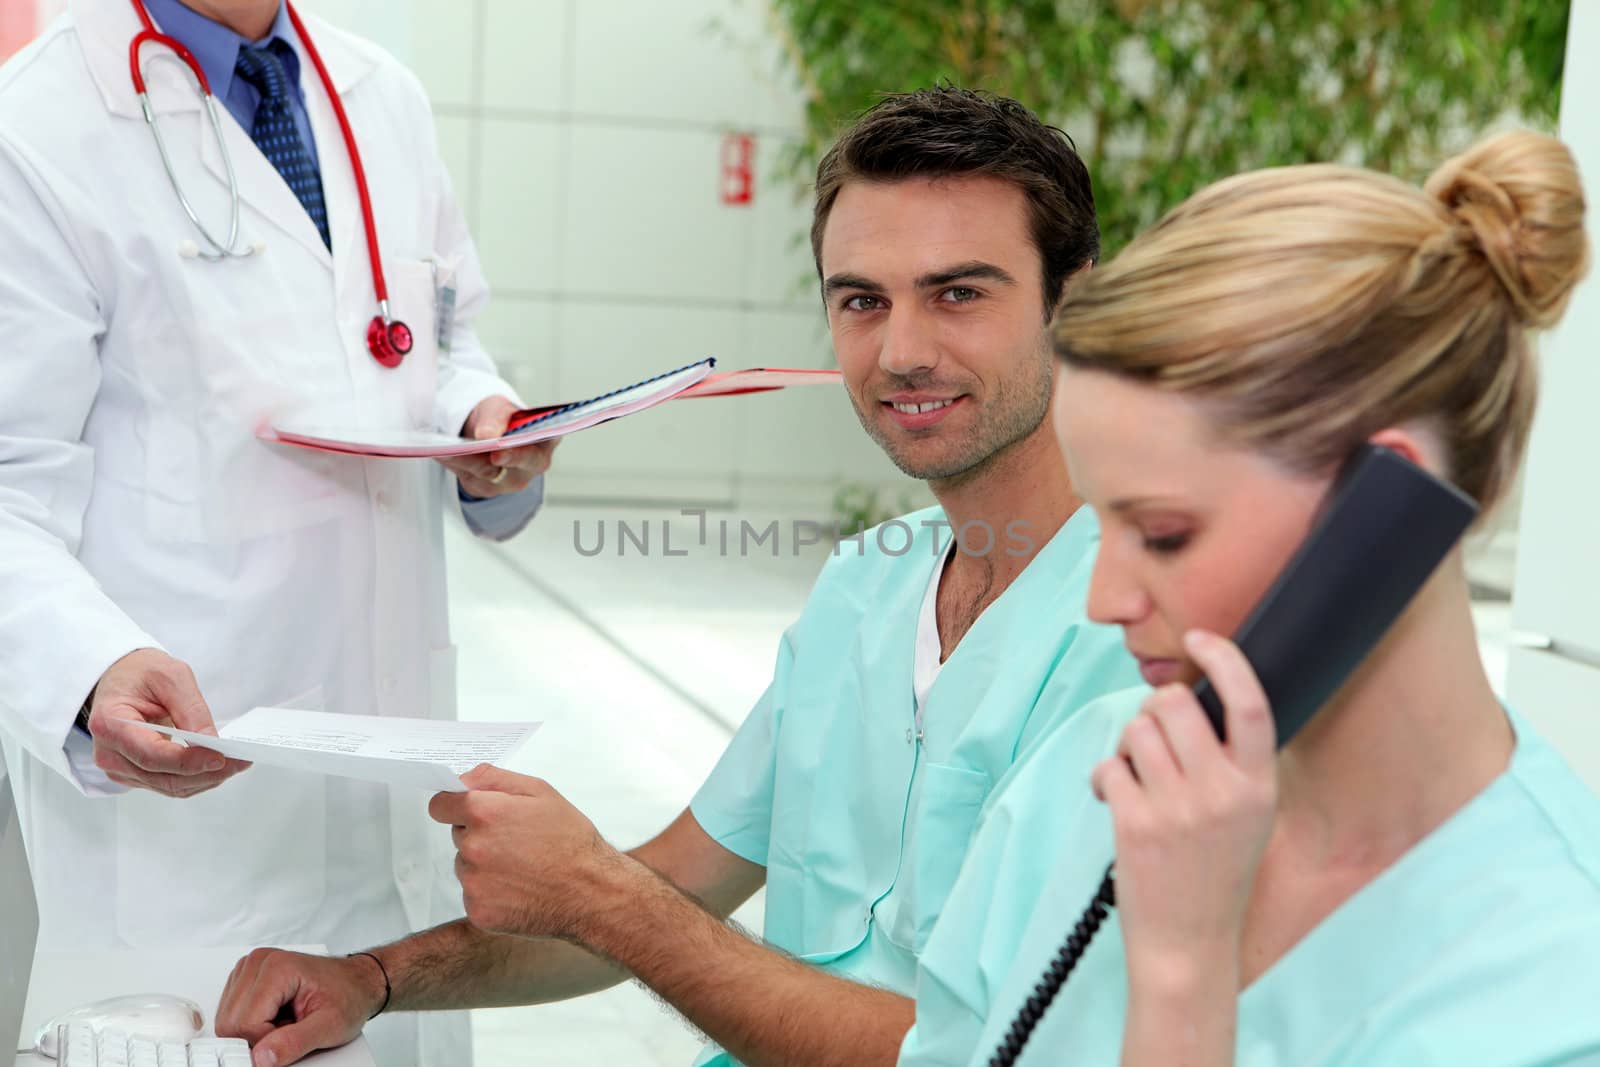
(937, 841)
(413, 294)
(242, 864)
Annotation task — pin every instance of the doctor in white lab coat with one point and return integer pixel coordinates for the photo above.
(155, 553)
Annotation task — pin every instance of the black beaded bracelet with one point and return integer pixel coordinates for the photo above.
(382, 970)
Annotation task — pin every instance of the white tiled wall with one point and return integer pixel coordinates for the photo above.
(515, 195)
(584, 139)
(526, 55)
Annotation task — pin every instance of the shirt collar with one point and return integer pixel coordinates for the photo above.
(216, 47)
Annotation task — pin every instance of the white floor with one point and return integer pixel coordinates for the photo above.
(640, 666)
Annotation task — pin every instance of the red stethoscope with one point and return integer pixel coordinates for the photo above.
(388, 339)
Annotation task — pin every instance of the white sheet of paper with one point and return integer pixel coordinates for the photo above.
(426, 753)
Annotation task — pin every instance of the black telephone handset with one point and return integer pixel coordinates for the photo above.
(1384, 530)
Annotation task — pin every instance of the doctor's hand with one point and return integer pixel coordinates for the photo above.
(528, 860)
(150, 686)
(289, 1005)
(1192, 816)
(498, 473)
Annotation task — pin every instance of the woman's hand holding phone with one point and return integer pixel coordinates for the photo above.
(1191, 815)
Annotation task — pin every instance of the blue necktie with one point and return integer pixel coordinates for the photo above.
(274, 131)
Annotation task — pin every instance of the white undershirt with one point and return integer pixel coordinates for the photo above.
(925, 668)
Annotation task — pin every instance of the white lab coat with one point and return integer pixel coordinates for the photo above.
(138, 508)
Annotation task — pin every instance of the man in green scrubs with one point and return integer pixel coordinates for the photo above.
(949, 226)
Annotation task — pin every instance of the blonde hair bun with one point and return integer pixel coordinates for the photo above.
(1312, 306)
(1517, 199)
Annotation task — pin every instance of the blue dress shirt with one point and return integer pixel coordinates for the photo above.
(216, 49)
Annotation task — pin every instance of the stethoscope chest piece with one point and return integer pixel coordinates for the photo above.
(388, 341)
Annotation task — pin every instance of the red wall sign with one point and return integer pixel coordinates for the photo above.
(738, 168)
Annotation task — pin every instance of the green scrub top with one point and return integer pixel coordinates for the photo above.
(860, 823)
(1479, 946)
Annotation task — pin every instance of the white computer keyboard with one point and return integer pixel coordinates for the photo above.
(80, 1046)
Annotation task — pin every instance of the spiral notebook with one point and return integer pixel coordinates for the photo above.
(550, 421)
(527, 427)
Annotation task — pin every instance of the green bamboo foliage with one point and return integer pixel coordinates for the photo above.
(1165, 96)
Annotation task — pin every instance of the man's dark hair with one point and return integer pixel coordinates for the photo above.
(950, 132)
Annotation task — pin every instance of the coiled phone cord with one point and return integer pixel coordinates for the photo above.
(1055, 976)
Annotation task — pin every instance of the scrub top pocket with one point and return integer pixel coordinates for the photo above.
(938, 832)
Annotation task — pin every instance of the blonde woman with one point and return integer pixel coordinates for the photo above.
(1415, 877)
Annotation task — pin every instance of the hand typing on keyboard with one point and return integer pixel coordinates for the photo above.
(79, 1046)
